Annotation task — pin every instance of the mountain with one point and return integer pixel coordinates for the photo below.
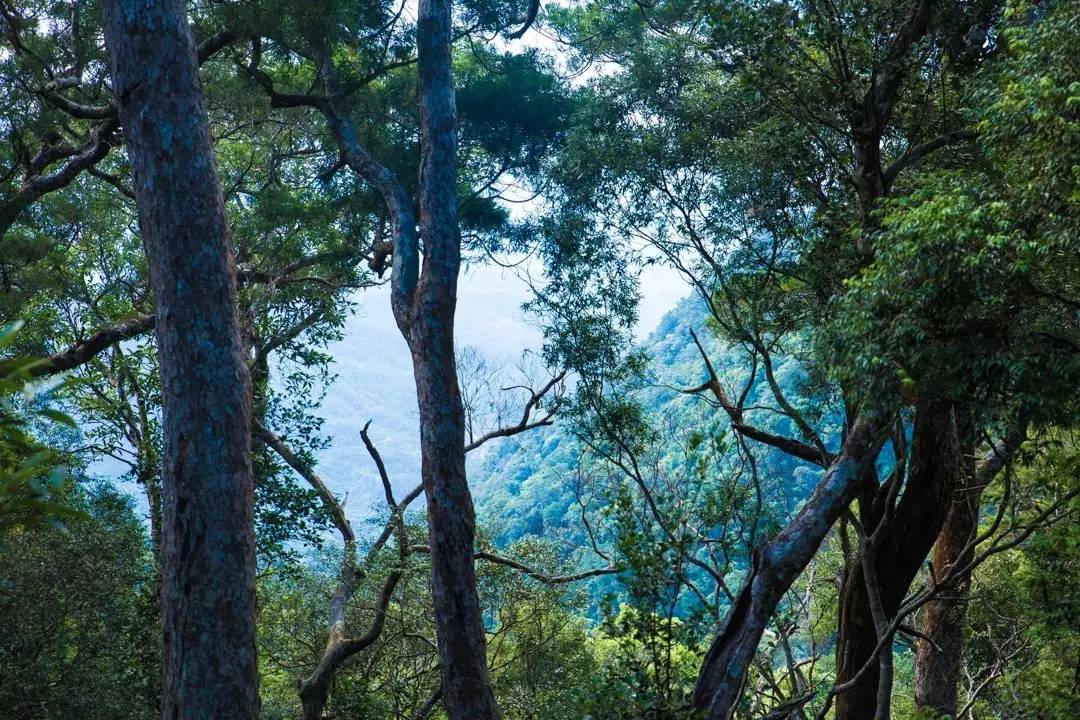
(524, 486)
(375, 382)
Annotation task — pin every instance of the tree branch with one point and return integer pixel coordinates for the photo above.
(530, 18)
(793, 447)
(333, 507)
(103, 138)
(914, 154)
(523, 425)
(84, 351)
(535, 574)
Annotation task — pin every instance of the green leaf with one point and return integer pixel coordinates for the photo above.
(57, 416)
(7, 333)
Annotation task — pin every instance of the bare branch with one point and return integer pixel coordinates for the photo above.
(380, 465)
(526, 423)
(535, 574)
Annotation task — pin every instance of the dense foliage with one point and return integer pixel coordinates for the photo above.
(840, 480)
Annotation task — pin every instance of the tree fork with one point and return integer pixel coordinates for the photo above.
(904, 533)
(774, 567)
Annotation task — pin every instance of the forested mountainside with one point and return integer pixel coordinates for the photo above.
(525, 486)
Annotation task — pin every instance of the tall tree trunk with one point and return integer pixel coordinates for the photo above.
(208, 598)
(774, 567)
(911, 529)
(937, 665)
(424, 302)
(466, 688)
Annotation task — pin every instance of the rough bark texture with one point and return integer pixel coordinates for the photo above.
(937, 669)
(869, 117)
(208, 599)
(774, 567)
(899, 552)
(466, 688)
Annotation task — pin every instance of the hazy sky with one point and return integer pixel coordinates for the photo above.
(375, 379)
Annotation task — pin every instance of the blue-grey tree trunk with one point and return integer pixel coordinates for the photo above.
(208, 599)
(466, 688)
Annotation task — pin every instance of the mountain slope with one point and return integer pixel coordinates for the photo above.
(525, 485)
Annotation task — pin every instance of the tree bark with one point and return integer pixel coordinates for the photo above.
(774, 567)
(900, 550)
(466, 687)
(937, 669)
(208, 598)
(937, 665)
(83, 351)
(424, 303)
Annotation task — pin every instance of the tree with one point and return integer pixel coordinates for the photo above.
(93, 649)
(341, 645)
(761, 151)
(208, 605)
(423, 297)
(875, 206)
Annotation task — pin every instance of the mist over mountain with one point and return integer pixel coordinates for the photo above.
(374, 378)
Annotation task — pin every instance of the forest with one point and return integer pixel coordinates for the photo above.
(342, 375)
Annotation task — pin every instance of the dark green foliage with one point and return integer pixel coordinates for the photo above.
(31, 473)
(968, 292)
(1023, 628)
(718, 138)
(80, 637)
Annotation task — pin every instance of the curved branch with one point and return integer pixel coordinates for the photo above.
(775, 566)
(215, 43)
(523, 425)
(103, 138)
(535, 574)
(86, 350)
(530, 18)
(914, 154)
(384, 476)
(333, 507)
(792, 447)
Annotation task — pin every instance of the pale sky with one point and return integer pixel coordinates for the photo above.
(375, 379)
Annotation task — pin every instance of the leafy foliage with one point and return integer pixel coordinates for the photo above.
(31, 474)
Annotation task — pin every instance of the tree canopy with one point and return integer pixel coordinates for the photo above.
(839, 480)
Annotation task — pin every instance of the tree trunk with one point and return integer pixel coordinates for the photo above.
(466, 688)
(208, 598)
(424, 304)
(900, 552)
(937, 669)
(937, 665)
(774, 567)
